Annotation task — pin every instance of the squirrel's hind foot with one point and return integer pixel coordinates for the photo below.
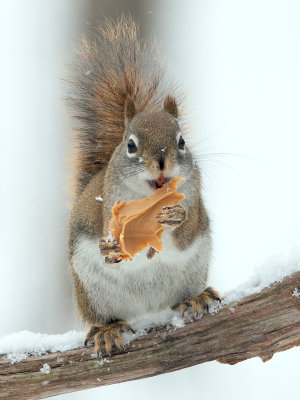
(107, 337)
(200, 304)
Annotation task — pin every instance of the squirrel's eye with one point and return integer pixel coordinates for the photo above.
(132, 148)
(181, 143)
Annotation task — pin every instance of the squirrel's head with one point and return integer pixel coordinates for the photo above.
(153, 149)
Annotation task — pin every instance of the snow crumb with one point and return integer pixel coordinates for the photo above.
(19, 345)
(296, 292)
(16, 357)
(140, 160)
(214, 307)
(103, 361)
(164, 149)
(98, 379)
(232, 309)
(46, 369)
(177, 322)
(88, 72)
(273, 270)
(99, 198)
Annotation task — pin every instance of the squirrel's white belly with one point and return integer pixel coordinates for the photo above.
(132, 288)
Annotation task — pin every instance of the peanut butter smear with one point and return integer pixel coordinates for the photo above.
(134, 224)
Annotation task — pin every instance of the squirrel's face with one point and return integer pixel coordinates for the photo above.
(154, 151)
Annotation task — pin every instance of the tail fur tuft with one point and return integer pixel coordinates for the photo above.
(112, 67)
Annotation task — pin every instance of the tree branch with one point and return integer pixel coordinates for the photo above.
(258, 325)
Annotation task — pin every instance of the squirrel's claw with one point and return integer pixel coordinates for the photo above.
(107, 337)
(200, 304)
(111, 250)
(90, 334)
(172, 216)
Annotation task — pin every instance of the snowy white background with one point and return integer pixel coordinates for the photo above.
(239, 62)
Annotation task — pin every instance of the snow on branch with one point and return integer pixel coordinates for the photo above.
(259, 324)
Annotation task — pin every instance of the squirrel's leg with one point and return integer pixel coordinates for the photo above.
(108, 336)
(200, 303)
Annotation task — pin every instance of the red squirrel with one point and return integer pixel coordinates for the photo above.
(129, 142)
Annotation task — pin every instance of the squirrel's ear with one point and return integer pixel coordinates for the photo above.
(170, 105)
(130, 109)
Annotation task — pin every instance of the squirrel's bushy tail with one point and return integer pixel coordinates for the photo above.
(113, 65)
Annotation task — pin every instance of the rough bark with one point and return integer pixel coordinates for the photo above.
(257, 325)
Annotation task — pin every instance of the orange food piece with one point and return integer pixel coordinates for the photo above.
(134, 224)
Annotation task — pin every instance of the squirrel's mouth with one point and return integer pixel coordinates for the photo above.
(159, 182)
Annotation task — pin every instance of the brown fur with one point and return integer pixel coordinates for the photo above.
(112, 66)
(84, 306)
(170, 105)
(83, 218)
(83, 221)
(196, 223)
(110, 335)
(130, 109)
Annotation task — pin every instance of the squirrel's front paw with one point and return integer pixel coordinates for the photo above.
(200, 304)
(111, 250)
(107, 337)
(172, 216)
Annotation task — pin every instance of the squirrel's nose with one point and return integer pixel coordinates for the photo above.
(161, 163)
